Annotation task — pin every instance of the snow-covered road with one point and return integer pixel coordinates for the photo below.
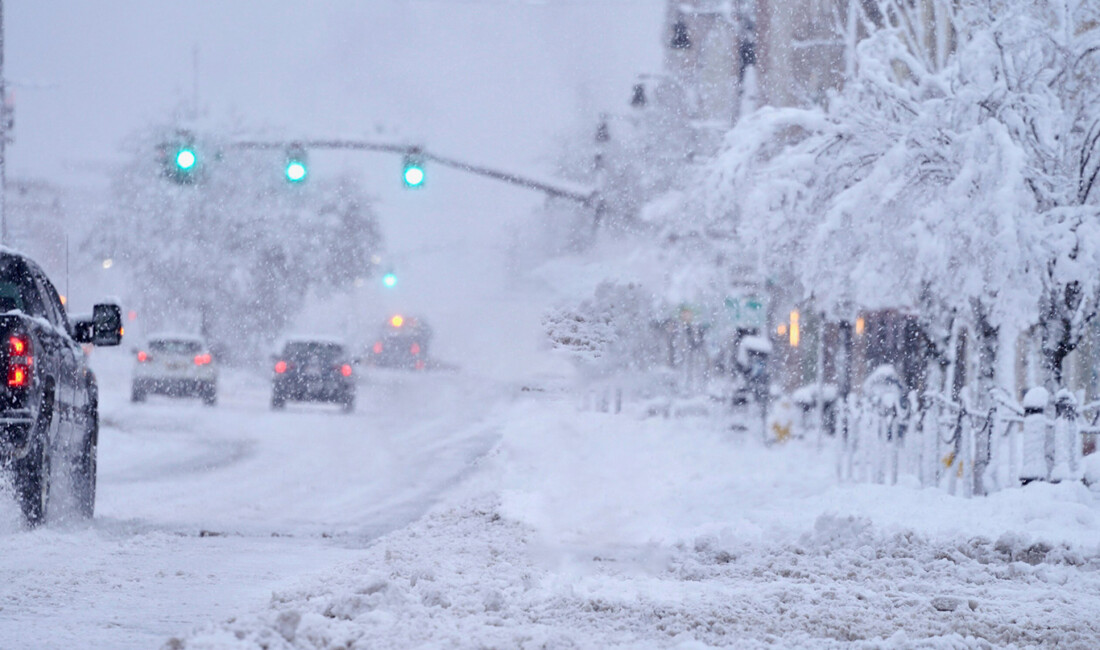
(203, 512)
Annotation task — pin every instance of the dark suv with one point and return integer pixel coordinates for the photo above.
(313, 371)
(49, 407)
(401, 343)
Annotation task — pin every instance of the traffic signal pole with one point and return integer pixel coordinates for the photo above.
(572, 194)
(3, 136)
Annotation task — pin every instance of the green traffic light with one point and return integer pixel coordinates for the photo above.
(414, 176)
(295, 171)
(185, 159)
(390, 280)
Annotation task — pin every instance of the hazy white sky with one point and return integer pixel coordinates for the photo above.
(494, 80)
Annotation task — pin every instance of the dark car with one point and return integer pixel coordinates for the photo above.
(402, 342)
(49, 407)
(309, 370)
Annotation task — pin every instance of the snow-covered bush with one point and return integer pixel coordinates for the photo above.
(612, 331)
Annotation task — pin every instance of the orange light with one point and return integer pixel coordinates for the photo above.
(781, 330)
(377, 347)
(861, 326)
(17, 376)
(795, 333)
(345, 370)
(415, 349)
(280, 367)
(17, 346)
(64, 300)
(143, 356)
(397, 321)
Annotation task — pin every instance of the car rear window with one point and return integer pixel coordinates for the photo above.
(170, 346)
(10, 296)
(312, 349)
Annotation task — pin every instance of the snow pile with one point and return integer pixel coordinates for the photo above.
(591, 530)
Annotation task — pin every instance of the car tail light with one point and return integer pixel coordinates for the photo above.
(203, 359)
(19, 361)
(414, 349)
(280, 367)
(18, 376)
(345, 370)
(420, 364)
(143, 356)
(378, 347)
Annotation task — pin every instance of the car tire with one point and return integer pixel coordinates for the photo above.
(32, 472)
(278, 401)
(137, 393)
(210, 394)
(348, 404)
(84, 474)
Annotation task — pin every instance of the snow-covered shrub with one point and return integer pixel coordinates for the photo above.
(612, 331)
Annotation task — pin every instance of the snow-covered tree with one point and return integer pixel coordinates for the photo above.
(966, 176)
(236, 251)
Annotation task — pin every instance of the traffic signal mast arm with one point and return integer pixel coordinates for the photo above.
(573, 194)
(515, 179)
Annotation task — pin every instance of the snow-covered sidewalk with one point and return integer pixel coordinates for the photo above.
(588, 530)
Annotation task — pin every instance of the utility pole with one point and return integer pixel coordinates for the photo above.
(3, 135)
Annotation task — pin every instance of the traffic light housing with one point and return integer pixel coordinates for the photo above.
(412, 172)
(297, 165)
(180, 158)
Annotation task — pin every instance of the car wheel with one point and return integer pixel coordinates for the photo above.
(348, 404)
(32, 472)
(278, 401)
(84, 474)
(137, 393)
(210, 394)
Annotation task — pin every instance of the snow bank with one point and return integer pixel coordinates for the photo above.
(588, 530)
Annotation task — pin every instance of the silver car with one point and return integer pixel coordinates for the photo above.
(175, 365)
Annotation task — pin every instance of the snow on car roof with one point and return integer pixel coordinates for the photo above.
(333, 340)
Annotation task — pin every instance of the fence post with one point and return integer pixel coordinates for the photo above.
(983, 452)
(929, 428)
(966, 441)
(1067, 442)
(1033, 465)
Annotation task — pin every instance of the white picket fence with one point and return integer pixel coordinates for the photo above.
(931, 441)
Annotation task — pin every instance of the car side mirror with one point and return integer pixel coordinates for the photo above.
(106, 325)
(83, 329)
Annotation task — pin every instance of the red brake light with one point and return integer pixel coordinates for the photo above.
(345, 370)
(143, 356)
(414, 349)
(19, 361)
(203, 359)
(17, 375)
(280, 367)
(378, 347)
